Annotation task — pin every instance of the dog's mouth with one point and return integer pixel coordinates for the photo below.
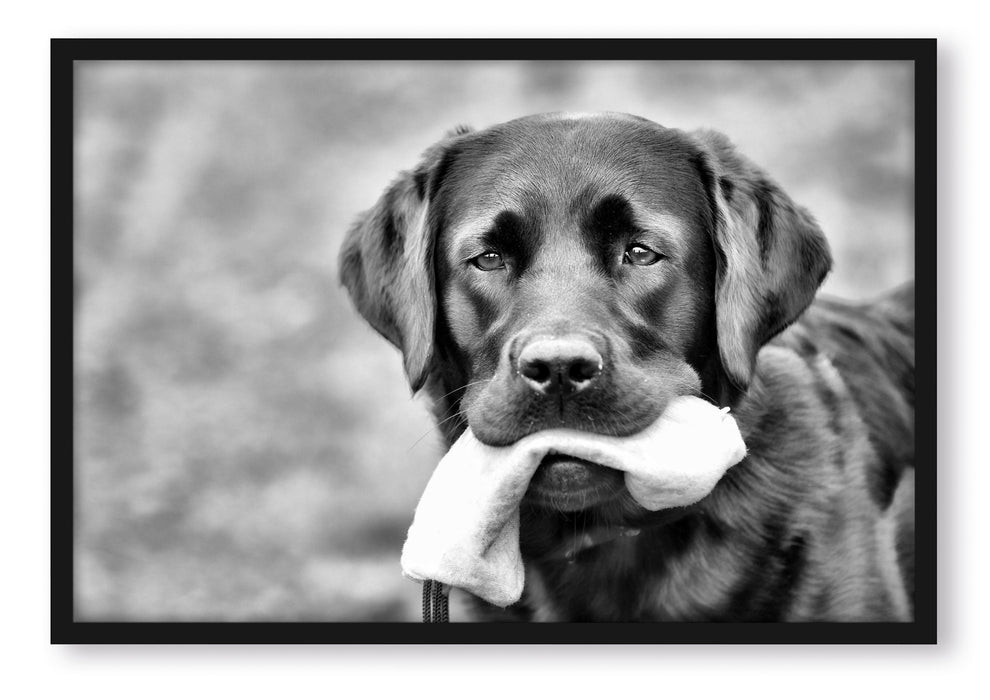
(569, 484)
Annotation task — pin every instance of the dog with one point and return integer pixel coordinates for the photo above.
(581, 271)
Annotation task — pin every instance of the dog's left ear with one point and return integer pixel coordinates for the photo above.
(386, 262)
(772, 257)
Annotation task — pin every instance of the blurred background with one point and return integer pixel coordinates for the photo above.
(246, 446)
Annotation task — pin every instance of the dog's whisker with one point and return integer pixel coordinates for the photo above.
(455, 407)
(436, 427)
(461, 388)
(706, 396)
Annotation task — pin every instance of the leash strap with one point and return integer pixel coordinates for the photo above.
(436, 606)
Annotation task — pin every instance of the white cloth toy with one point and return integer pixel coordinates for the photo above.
(465, 532)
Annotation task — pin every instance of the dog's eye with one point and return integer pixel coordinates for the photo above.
(488, 261)
(640, 255)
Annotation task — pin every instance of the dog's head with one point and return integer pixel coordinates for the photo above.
(580, 272)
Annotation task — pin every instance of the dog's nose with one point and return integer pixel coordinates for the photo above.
(559, 365)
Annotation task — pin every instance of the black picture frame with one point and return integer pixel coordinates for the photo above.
(66, 629)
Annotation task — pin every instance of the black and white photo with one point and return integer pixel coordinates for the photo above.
(590, 338)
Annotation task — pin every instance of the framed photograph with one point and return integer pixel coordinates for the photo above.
(555, 341)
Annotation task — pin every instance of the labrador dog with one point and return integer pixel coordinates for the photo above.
(583, 270)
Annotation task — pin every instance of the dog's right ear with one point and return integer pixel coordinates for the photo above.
(386, 262)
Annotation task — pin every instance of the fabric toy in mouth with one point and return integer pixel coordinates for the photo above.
(465, 532)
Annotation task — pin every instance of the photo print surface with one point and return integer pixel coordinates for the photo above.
(247, 447)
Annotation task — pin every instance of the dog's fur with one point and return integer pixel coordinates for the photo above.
(816, 523)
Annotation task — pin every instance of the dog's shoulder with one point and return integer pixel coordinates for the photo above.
(865, 351)
(828, 422)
